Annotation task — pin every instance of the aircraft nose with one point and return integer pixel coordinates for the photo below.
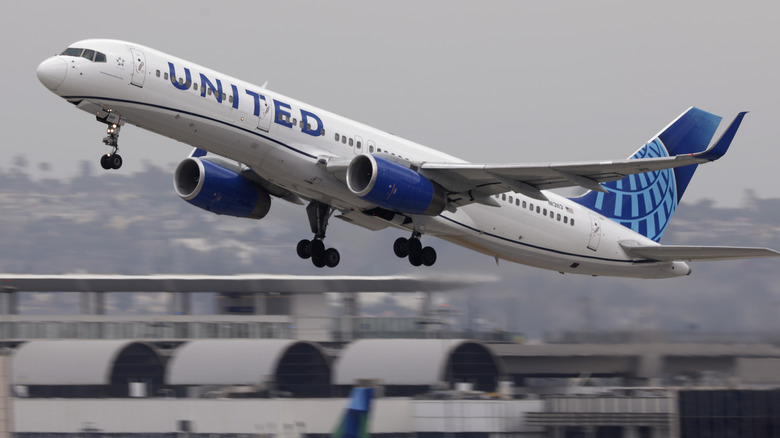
(52, 71)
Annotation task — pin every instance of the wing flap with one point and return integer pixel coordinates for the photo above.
(671, 253)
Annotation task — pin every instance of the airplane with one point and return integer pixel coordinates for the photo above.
(355, 421)
(252, 144)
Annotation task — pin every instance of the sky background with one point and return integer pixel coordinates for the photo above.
(485, 81)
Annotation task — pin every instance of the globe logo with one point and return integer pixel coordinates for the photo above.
(643, 202)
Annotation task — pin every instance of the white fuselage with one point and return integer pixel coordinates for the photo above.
(274, 135)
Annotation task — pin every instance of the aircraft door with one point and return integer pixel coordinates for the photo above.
(266, 115)
(139, 67)
(595, 232)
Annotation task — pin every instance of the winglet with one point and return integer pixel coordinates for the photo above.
(723, 143)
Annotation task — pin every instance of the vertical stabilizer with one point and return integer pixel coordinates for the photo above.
(645, 202)
(354, 423)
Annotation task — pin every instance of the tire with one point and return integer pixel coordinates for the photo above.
(104, 162)
(304, 249)
(318, 261)
(428, 256)
(115, 160)
(415, 247)
(317, 248)
(332, 257)
(415, 260)
(401, 247)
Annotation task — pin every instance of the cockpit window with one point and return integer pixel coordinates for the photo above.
(85, 53)
(72, 51)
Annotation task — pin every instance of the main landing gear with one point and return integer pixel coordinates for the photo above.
(114, 122)
(318, 213)
(412, 248)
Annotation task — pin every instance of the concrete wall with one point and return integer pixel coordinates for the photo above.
(6, 402)
(287, 418)
(456, 416)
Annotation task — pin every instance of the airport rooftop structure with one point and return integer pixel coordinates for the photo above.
(276, 363)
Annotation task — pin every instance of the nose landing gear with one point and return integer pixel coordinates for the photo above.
(318, 213)
(114, 121)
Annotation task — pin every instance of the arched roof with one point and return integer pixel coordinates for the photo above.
(291, 364)
(82, 362)
(413, 361)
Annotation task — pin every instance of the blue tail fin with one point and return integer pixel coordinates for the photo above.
(354, 423)
(645, 202)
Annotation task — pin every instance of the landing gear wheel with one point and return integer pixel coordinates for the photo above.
(401, 247)
(304, 249)
(415, 260)
(318, 261)
(317, 248)
(115, 160)
(332, 257)
(428, 256)
(104, 161)
(414, 248)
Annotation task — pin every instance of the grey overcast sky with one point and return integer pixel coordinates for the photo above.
(514, 81)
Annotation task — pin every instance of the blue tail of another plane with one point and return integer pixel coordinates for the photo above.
(645, 202)
(354, 423)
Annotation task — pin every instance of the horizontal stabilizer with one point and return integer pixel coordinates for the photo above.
(671, 253)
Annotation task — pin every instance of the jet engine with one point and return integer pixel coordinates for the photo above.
(394, 186)
(220, 189)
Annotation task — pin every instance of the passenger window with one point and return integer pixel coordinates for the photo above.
(230, 98)
(295, 122)
(165, 76)
(224, 96)
(359, 144)
(344, 139)
(538, 209)
(503, 196)
(566, 219)
(209, 91)
(524, 204)
(351, 142)
(181, 81)
(337, 136)
(544, 212)
(572, 222)
(552, 214)
(101, 57)
(195, 86)
(559, 217)
(371, 149)
(158, 73)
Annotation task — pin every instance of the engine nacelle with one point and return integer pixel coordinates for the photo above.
(219, 189)
(394, 186)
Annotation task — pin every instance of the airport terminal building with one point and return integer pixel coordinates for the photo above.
(285, 368)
